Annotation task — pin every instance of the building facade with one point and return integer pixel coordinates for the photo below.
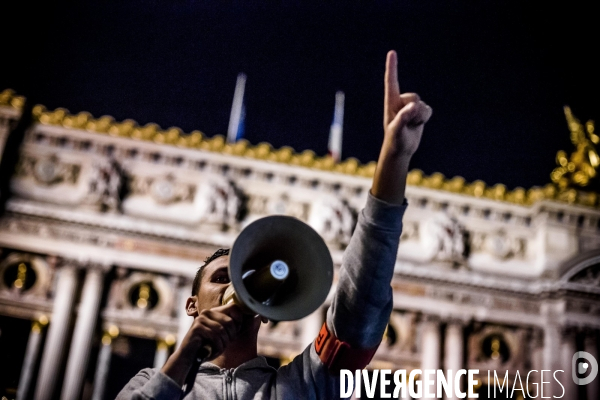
(105, 224)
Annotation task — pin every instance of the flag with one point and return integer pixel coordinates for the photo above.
(337, 128)
(238, 111)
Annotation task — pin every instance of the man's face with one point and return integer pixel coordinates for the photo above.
(213, 283)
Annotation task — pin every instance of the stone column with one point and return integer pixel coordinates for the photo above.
(311, 325)
(32, 353)
(552, 358)
(431, 343)
(58, 332)
(81, 343)
(454, 349)
(537, 357)
(184, 321)
(590, 345)
(103, 364)
(567, 349)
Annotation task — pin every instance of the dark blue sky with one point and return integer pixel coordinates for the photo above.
(497, 74)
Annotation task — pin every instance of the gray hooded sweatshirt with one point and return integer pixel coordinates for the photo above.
(358, 315)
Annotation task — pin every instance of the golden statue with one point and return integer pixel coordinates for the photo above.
(581, 166)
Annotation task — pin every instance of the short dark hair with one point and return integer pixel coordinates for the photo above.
(208, 260)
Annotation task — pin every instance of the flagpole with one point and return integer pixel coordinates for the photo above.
(237, 109)
(337, 128)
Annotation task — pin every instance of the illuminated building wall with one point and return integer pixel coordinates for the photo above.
(106, 223)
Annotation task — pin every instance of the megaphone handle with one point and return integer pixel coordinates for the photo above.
(202, 355)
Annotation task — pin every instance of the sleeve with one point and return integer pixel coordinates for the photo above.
(150, 384)
(362, 304)
(306, 377)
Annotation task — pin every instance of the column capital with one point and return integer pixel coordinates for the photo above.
(78, 263)
(104, 268)
(461, 320)
(430, 318)
(60, 263)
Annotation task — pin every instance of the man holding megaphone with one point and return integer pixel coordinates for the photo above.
(218, 359)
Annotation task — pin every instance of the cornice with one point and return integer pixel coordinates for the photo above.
(173, 136)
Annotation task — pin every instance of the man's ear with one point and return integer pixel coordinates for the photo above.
(191, 308)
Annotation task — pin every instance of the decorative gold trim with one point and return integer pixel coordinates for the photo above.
(308, 159)
(8, 98)
(581, 166)
(196, 139)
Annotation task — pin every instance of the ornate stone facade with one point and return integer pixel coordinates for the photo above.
(103, 224)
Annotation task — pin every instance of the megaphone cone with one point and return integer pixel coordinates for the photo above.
(280, 268)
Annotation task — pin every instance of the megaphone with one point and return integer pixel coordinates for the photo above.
(280, 268)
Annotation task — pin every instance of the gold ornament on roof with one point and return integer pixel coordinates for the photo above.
(8, 98)
(580, 167)
(455, 184)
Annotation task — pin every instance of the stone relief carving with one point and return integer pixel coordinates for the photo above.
(47, 170)
(498, 244)
(282, 204)
(258, 205)
(410, 231)
(285, 206)
(221, 203)
(104, 185)
(164, 190)
(334, 220)
(445, 238)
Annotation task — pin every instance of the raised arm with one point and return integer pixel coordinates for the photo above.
(363, 302)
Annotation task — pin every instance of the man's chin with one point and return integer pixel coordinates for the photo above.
(250, 324)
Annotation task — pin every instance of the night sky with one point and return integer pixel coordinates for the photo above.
(497, 74)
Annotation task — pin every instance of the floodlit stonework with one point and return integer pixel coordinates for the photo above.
(106, 223)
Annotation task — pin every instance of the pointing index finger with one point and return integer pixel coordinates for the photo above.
(392, 87)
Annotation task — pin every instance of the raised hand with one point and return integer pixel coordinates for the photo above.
(403, 114)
